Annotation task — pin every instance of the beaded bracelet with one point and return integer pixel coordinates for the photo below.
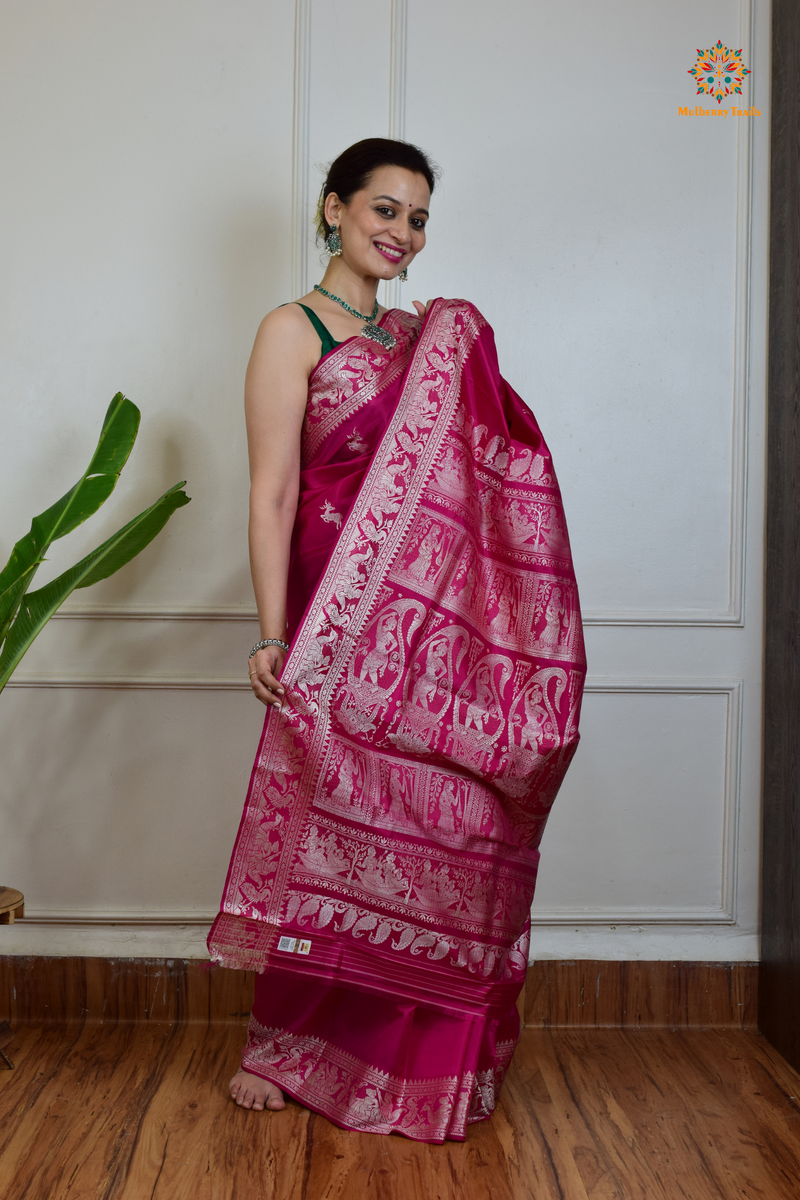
(269, 642)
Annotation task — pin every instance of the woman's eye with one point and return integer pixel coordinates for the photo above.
(386, 212)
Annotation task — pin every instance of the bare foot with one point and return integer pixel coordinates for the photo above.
(251, 1091)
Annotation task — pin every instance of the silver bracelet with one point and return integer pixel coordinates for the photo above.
(269, 642)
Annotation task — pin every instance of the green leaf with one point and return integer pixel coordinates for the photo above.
(38, 607)
(132, 538)
(120, 427)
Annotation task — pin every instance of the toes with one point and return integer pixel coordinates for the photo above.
(256, 1095)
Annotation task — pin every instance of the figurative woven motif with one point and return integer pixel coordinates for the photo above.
(486, 1085)
(361, 864)
(359, 1096)
(433, 687)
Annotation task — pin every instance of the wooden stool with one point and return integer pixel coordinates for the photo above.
(12, 905)
(6, 1035)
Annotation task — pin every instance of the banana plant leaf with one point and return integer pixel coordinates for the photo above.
(36, 609)
(120, 427)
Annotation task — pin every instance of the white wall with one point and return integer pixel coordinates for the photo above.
(163, 165)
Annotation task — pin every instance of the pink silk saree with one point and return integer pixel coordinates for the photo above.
(385, 864)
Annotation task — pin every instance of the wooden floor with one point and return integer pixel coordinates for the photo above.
(134, 1111)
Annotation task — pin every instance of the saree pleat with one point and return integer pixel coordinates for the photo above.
(386, 860)
(425, 1076)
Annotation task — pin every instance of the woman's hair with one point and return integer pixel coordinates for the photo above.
(349, 172)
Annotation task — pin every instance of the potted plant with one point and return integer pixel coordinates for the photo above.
(24, 613)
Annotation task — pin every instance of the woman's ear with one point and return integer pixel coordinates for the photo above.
(332, 209)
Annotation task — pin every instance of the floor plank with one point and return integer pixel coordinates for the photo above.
(126, 1112)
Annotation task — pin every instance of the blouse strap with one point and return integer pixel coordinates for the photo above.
(325, 337)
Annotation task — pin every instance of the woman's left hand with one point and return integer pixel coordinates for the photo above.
(422, 309)
(265, 668)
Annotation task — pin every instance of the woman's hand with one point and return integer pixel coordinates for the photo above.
(265, 670)
(422, 309)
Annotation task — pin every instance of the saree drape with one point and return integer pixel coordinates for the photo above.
(385, 864)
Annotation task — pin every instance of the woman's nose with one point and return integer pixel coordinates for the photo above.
(402, 228)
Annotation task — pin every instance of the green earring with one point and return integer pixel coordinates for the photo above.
(333, 243)
(403, 276)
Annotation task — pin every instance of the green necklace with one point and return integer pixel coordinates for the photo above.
(370, 330)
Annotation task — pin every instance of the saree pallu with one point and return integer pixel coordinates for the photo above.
(385, 865)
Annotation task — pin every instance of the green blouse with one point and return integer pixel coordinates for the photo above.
(328, 343)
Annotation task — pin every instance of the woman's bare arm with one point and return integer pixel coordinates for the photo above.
(276, 386)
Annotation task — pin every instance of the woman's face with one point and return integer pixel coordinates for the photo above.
(383, 226)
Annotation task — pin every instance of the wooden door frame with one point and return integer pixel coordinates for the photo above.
(779, 975)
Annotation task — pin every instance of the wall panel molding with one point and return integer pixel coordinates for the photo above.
(723, 914)
(742, 335)
(397, 70)
(301, 166)
(733, 614)
(119, 612)
(393, 291)
(82, 917)
(133, 683)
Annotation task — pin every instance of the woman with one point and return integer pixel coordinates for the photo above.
(418, 729)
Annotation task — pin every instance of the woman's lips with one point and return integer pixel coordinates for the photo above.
(394, 254)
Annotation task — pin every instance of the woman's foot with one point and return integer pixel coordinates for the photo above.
(251, 1091)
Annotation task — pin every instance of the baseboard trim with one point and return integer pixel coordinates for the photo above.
(638, 995)
(40, 990)
(570, 994)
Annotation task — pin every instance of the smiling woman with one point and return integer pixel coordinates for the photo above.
(422, 666)
(389, 199)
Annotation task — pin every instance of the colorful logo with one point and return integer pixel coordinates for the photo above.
(719, 72)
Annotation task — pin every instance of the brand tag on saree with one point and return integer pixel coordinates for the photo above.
(291, 945)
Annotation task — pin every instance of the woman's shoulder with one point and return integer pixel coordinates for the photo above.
(285, 341)
(286, 318)
(287, 328)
